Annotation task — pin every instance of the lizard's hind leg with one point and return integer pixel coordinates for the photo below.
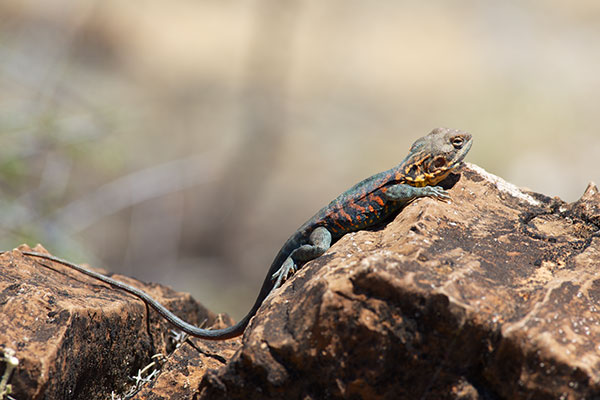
(319, 242)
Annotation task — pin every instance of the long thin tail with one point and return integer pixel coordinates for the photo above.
(218, 334)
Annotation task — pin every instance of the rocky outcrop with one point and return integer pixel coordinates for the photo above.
(494, 295)
(76, 338)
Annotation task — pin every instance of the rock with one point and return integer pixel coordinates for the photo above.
(494, 295)
(184, 369)
(76, 338)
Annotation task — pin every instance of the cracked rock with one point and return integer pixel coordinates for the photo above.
(493, 296)
(74, 337)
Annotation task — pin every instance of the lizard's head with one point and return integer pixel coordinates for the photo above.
(433, 157)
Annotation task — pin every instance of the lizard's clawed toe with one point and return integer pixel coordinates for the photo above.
(438, 193)
(288, 268)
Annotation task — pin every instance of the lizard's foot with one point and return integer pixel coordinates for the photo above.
(320, 240)
(436, 192)
(288, 268)
(404, 193)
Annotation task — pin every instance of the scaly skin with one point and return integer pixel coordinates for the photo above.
(430, 160)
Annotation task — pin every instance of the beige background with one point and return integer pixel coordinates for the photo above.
(182, 142)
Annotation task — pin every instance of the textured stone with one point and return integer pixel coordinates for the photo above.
(493, 296)
(76, 338)
(184, 369)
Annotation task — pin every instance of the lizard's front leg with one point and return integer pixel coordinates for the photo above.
(405, 193)
(319, 242)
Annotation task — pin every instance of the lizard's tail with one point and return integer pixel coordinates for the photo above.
(217, 334)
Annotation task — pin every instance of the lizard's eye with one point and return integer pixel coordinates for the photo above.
(457, 142)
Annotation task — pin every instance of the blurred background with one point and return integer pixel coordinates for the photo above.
(182, 142)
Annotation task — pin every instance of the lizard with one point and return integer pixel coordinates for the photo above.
(370, 202)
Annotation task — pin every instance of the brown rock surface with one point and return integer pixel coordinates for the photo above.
(494, 295)
(76, 338)
(184, 369)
